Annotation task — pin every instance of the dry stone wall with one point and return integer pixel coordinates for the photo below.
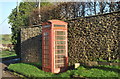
(93, 38)
(89, 39)
(31, 45)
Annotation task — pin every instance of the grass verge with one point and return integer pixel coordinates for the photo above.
(98, 71)
(4, 54)
(29, 70)
(5, 39)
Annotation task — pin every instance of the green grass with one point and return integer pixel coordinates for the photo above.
(36, 64)
(7, 54)
(98, 71)
(5, 39)
(29, 70)
(116, 60)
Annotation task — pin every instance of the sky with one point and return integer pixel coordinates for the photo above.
(5, 10)
(6, 7)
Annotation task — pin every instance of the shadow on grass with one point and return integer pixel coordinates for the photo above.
(38, 65)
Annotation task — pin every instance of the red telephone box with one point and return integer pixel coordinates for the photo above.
(54, 46)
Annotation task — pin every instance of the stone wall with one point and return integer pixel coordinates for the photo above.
(31, 45)
(93, 38)
(89, 39)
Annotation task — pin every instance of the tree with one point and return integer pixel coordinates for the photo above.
(19, 19)
(102, 7)
(113, 6)
(29, 14)
(95, 8)
(69, 10)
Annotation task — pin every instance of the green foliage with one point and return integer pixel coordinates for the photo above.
(18, 19)
(118, 60)
(102, 60)
(45, 4)
(5, 39)
(97, 71)
(7, 54)
(89, 40)
(107, 66)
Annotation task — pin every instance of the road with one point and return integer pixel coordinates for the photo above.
(3, 68)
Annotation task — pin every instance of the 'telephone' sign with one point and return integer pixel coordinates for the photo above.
(46, 26)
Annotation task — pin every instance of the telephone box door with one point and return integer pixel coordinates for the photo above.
(60, 50)
(46, 56)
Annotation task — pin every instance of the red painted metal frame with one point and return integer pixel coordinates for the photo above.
(43, 64)
(51, 31)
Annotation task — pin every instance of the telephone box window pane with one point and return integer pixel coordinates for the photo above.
(46, 26)
(46, 51)
(59, 42)
(59, 65)
(46, 62)
(59, 51)
(59, 56)
(59, 47)
(60, 33)
(46, 47)
(46, 33)
(45, 56)
(59, 61)
(46, 38)
(59, 25)
(46, 43)
(60, 37)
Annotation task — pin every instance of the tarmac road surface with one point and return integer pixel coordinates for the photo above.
(4, 73)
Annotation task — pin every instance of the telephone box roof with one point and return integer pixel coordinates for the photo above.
(57, 22)
(54, 22)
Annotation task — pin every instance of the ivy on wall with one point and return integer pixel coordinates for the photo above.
(92, 38)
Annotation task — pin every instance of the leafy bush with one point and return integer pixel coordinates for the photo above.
(21, 19)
